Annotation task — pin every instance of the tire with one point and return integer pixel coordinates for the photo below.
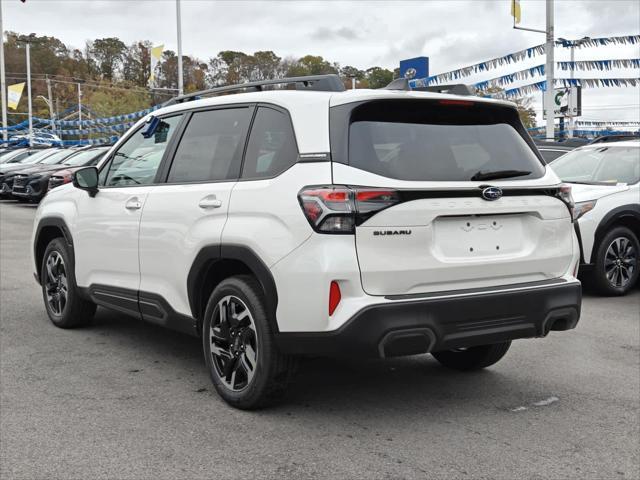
(244, 363)
(65, 306)
(472, 358)
(616, 272)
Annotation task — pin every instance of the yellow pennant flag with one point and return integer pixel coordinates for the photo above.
(14, 92)
(515, 11)
(156, 54)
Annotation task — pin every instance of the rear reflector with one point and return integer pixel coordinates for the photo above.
(334, 297)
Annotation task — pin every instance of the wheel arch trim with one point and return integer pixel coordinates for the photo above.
(60, 224)
(624, 211)
(209, 255)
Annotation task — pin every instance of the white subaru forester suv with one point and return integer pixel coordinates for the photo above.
(317, 221)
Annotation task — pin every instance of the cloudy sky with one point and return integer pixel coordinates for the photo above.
(452, 33)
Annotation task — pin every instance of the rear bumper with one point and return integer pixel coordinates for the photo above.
(407, 326)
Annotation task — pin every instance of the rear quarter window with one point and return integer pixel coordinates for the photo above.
(272, 145)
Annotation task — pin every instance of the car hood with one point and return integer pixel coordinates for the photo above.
(584, 193)
(14, 166)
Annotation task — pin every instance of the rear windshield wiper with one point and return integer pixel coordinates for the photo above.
(480, 175)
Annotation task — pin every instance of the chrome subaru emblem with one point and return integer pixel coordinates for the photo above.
(491, 193)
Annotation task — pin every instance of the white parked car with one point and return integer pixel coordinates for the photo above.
(317, 221)
(604, 179)
(40, 138)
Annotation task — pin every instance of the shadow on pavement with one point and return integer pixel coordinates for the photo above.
(335, 385)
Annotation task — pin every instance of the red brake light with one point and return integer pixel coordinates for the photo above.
(334, 297)
(339, 209)
(460, 103)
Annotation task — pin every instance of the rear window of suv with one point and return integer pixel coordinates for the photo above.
(438, 140)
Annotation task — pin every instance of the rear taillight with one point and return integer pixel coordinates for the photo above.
(564, 194)
(339, 209)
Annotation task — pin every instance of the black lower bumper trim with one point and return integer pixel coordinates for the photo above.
(433, 324)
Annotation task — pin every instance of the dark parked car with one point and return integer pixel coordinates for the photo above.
(34, 186)
(7, 169)
(552, 150)
(43, 161)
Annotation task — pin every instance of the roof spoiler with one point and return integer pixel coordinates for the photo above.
(456, 89)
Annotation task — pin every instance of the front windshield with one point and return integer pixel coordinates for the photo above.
(56, 157)
(606, 165)
(7, 153)
(83, 158)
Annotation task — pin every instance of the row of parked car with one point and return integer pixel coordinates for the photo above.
(26, 174)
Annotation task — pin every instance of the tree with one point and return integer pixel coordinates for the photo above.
(108, 54)
(311, 65)
(348, 73)
(266, 65)
(378, 77)
(137, 63)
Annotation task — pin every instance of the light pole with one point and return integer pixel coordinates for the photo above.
(79, 111)
(548, 69)
(573, 44)
(179, 31)
(29, 92)
(27, 41)
(3, 83)
(50, 105)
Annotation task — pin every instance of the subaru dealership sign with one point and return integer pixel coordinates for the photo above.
(414, 68)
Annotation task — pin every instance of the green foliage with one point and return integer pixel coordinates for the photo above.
(108, 54)
(379, 77)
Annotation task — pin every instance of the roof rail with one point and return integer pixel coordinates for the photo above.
(318, 83)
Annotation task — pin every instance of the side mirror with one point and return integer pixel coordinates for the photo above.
(86, 179)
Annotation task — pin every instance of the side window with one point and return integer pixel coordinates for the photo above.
(211, 147)
(272, 145)
(137, 160)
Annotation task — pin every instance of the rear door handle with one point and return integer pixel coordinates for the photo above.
(133, 204)
(210, 201)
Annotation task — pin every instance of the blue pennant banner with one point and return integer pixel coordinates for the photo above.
(568, 82)
(522, 55)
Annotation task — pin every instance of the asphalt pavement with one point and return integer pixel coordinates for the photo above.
(122, 399)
